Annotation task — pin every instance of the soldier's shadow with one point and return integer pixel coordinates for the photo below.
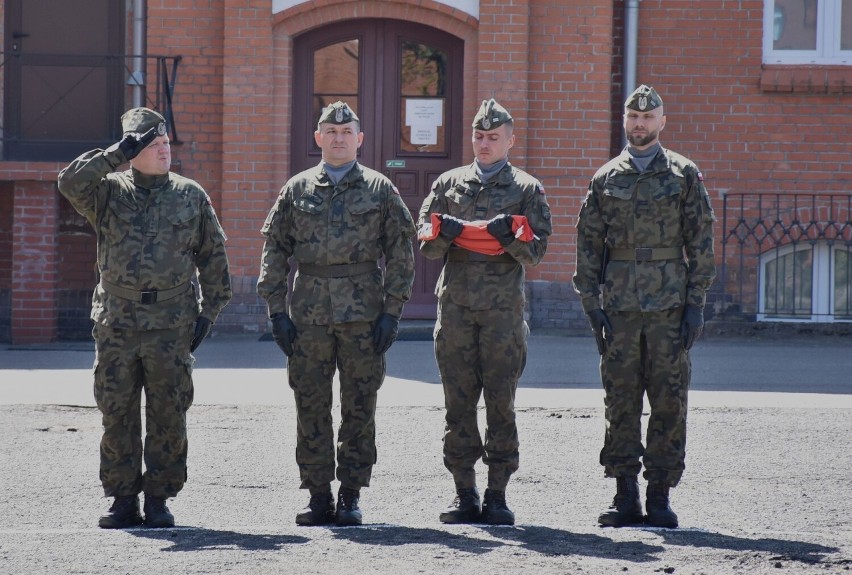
(188, 539)
(542, 540)
(781, 548)
(550, 541)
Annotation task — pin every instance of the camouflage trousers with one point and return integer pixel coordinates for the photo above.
(126, 363)
(480, 353)
(317, 351)
(646, 358)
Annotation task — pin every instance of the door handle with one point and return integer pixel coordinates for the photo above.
(17, 35)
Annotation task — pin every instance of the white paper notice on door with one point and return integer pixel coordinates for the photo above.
(424, 117)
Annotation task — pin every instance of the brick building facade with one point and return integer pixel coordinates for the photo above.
(752, 127)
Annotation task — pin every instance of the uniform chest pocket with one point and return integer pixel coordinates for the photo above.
(183, 228)
(364, 212)
(309, 205)
(459, 199)
(618, 190)
(121, 220)
(506, 205)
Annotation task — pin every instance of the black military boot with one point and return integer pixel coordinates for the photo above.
(494, 509)
(320, 510)
(626, 508)
(124, 512)
(156, 513)
(348, 512)
(657, 506)
(465, 508)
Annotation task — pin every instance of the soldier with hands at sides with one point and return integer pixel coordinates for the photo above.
(644, 265)
(337, 220)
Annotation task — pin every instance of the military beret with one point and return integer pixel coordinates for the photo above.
(491, 116)
(337, 113)
(140, 120)
(643, 99)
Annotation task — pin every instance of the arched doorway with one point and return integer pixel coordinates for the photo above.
(405, 82)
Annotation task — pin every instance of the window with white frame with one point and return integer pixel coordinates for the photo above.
(807, 32)
(806, 283)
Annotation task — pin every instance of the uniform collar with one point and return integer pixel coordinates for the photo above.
(149, 182)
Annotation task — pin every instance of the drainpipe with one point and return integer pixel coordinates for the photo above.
(137, 77)
(631, 40)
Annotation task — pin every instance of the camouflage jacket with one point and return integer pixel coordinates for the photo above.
(666, 206)
(481, 285)
(361, 219)
(154, 233)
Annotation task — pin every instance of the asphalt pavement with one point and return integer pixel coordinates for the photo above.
(765, 488)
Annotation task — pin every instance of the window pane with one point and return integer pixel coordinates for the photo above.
(788, 290)
(846, 25)
(842, 284)
(422, 98)
(795, 25)
(336, 76)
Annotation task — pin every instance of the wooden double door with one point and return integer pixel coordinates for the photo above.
(404, 80)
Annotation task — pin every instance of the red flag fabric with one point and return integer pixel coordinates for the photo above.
(475, 236)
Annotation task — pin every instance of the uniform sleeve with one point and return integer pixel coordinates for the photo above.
(84, 181)
(277, 249)
(697, 228)
(435, 203)
(398, 248)
(210, 259)
(537, 211)
(591, 233)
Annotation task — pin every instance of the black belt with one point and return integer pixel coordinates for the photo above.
(645, 254)
(468, 256)
(338, 270)
(144, 296)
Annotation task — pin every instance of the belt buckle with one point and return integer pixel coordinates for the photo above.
(148, 297)
(644, 254)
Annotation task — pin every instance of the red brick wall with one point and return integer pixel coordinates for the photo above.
(34, 267)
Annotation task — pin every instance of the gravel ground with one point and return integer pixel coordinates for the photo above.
(766, 491)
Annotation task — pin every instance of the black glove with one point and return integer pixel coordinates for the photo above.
(283, 332)
(131, 144)
(601, 328)
(691, 325)
(501, 228)
(203, 326)
(385, 332)
(451, 227)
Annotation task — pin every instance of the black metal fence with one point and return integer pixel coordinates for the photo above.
(785, 257)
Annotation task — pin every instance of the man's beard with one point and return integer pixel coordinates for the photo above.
(638, 141)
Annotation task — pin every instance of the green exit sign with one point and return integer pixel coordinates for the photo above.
(394, 163)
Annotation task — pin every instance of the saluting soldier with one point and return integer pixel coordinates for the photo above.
(337, 220)
(481, 335)
(645, 232)
(157, 231)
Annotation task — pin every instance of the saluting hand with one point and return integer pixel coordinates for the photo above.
(132, 143)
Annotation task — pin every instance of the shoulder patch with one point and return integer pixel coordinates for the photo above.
(700, 177)
(540, 189)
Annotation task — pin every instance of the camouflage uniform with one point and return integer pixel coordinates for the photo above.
(480, 335)
(665, 208)
(337, 233)
(154, 234)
